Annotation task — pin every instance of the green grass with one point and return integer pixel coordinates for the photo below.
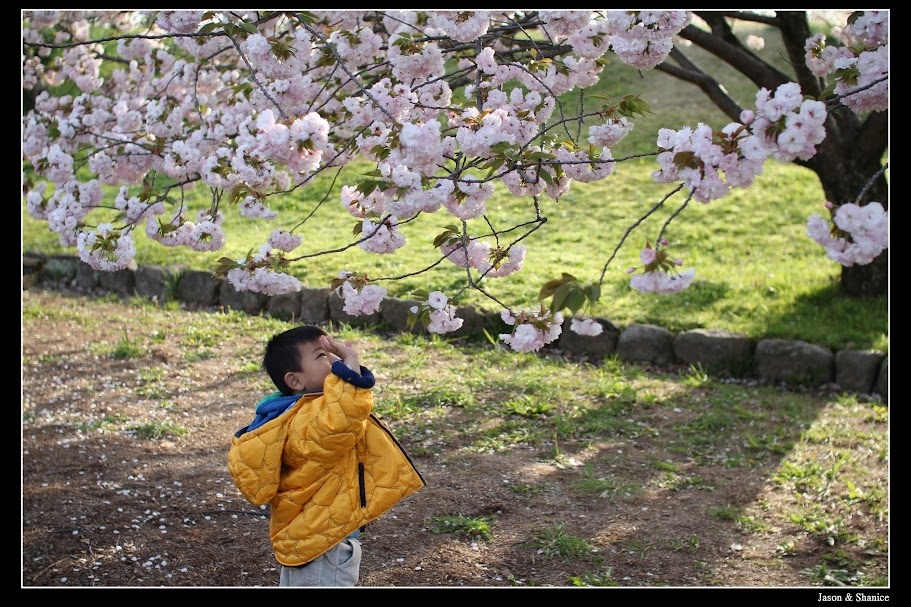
(555, 541)
(757, 272)
(690, 544)
(159, 429)
(590, 578)
(603, 487)
(736, 514)
(471, 526)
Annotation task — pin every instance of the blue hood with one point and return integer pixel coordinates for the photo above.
(269, 408)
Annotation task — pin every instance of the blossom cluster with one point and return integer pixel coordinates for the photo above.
(659, 273)
(855, 235)
(860, 66)
(437, 314)
(489, 260)
(586, 326)
(258, 272)
(532, 329)
(360, 297)
(710, 163)
(299, 94)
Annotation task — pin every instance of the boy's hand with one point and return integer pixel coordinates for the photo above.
(347, 353)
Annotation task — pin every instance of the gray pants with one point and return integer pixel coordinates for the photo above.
(339, 566)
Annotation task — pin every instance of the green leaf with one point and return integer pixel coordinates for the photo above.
(369, 185)
(493, 164)
(224, 265)
(380, 151)
(493, 341)
(502, 149)
(449, 234)
(444, 238)
(560, 297)
(593, 292)
(575, 300)
(306, 17)
(552, 285)
(534, 156)
(632, 105)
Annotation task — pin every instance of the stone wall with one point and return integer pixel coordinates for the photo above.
(719, 353)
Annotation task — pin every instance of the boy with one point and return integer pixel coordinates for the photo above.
(318, 455)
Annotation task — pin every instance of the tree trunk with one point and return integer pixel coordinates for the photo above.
(872, 279)
(846, 164)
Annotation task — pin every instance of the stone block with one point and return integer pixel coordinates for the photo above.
(244, 301)
(61, 268)
(198, 289)
(794, 362)
(314, 309)
(857, 370)
(646, 343)
(286, 306)
(882, 381)
(86, 277)
(395, 314)
(716, 351)
(157, 283)
(122, 282)
(603, 344)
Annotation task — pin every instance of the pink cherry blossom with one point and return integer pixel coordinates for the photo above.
(866, 229)
(365, 301)
(586, 326)
(531, 330)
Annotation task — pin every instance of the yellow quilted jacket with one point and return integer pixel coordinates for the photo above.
(327, 466)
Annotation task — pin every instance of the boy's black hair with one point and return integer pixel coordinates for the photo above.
(282, 354)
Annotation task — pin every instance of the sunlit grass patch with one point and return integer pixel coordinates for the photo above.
(555, 541)
(604, 486)
(158, 429)
(472, 526)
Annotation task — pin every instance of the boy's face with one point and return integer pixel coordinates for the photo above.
(315, 365)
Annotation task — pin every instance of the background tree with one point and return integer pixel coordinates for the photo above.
(848, 161)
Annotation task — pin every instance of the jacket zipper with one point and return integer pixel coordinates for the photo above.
(362, 486)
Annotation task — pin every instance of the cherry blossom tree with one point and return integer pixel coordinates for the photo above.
(848, 161)
(129, 110)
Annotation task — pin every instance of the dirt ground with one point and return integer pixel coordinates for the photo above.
(102, 507)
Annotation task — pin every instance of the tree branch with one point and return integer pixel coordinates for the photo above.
(795, 30)
(722, 43)
(689, 72)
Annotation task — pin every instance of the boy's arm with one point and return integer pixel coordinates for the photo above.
(362, 379)
(328, 428)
